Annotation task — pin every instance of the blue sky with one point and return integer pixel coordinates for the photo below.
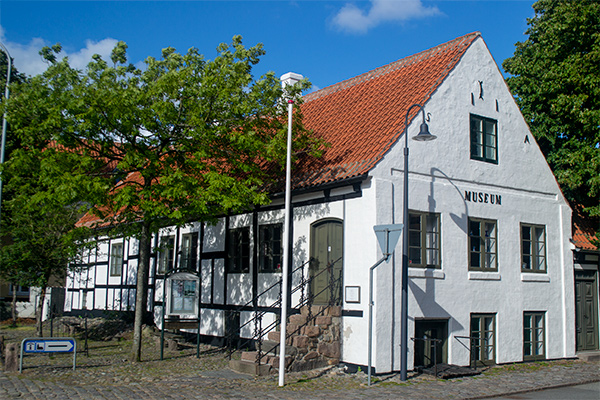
(326, 41)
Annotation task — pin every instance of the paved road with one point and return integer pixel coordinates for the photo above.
(335, 384)
(590, 391)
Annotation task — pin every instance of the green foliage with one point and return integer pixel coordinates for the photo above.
(183, 139)
(38, 219)
(15, 75)
(556, 82)
(186, 138)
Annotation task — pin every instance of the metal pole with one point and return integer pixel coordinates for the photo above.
(286, 246)
(370, 351)
(6, 93)
(404, 309)
(162, 313)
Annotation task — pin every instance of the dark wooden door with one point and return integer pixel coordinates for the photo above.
(586, 310)
(326, 251)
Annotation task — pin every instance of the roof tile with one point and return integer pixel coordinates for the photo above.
(361, 118)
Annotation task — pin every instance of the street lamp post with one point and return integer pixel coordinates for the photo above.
(3, 145)
(423, 135)
(288, 79)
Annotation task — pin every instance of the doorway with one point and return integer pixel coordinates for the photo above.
(431, 342)
(326, 252)
(586, 310)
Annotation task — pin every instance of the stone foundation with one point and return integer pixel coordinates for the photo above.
(317, 341)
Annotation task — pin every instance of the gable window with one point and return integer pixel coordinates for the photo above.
(482, 245)
(533, 336)
(116, 259)
(238, 250)
(533, 248)
(483, 338)
(189, 251)
(166, 254)
(484, 139)
(270, 248)
(183, 296)
(424, 240)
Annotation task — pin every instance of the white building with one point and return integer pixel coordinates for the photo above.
(489, 228)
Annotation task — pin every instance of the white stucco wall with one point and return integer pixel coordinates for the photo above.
(439, 174)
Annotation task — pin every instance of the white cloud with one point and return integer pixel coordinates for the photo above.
(356, 20)
(27, 59)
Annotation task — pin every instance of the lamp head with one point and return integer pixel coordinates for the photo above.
(424, 134)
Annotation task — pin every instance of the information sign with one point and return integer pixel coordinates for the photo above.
(58, 345)
(48, 345)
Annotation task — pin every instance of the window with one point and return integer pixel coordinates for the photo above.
(533, 336)
(238, 250)
(183, 296)
(482, 245)
(21, 290)
(533, 248)
(116, 259)
(166, 254)
(189, 251)
(483, 338)
(270, 248)
(424, 240)
(484, 139)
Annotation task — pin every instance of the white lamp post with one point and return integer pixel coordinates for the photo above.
(288, 79)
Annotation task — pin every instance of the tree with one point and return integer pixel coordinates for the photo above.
(39, 225)
(186, 138)
(556, 82)
(10, 273)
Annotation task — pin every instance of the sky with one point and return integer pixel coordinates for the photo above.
(325, 41)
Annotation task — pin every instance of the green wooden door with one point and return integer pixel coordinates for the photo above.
(586, 310)
(326, 251)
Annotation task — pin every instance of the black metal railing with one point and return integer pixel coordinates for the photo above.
(428, 341)
(257, 319)
(476, 343)
(306, 300)
(307, 297)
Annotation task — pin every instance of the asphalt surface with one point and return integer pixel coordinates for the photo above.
(588, 391)
(519, 380)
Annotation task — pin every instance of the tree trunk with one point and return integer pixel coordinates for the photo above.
(14, 306)
(39, 326)
(141, 295)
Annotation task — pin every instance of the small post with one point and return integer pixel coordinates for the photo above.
(387, 236)
(87, 352)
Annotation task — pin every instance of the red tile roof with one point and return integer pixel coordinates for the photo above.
(361, 118)
(584, 229)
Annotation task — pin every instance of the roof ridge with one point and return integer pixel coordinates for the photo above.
(385, 69)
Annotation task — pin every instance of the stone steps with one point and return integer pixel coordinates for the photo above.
(593, 355)
(311, 343)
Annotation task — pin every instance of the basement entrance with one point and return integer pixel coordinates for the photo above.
(431, 342)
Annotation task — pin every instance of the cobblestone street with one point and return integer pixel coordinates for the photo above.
(224, 384)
